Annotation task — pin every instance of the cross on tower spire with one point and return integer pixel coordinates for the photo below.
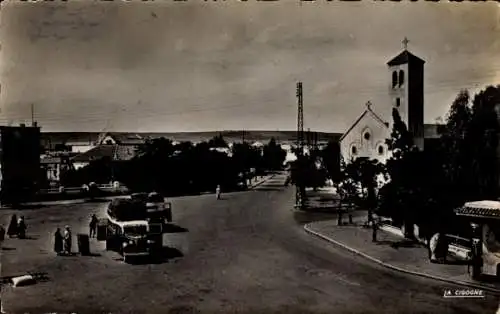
(405, 43)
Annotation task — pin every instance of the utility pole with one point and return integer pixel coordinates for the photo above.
(245, 158)
(32, 114)
(300, 189)
(309, 140)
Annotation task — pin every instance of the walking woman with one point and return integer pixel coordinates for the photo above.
(12, 228)
(58, 241)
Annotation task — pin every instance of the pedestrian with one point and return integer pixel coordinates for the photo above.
(58, 241)
(67, 240)
(217, 192)
(2, 234)
(21, 228)
(93, 226)
(12, 228)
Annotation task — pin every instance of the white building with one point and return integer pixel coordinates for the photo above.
(367, 135)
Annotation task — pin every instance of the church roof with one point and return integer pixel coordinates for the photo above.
(405, 57)
(370, 112)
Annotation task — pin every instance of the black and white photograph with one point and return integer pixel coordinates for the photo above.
(251, 156)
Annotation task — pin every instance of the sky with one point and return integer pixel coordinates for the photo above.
(168, 66)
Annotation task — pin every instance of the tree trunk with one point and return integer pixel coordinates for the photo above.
(408, 229)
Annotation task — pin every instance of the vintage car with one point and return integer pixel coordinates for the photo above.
(129, 232)
(156, 207)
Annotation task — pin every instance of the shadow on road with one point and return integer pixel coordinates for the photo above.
(489, 279)
(165, 256)
(8, 249)
(91, 255)
(456, 262)
(302, 217)
(173, 228)
(262, 189)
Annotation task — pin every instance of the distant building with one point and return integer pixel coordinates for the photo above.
(112, 152)
(20, 162)
(76, 142)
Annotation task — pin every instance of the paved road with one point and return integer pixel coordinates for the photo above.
(245, 253)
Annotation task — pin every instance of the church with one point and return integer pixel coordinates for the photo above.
(366, 136)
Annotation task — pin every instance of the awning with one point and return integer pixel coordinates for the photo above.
(480, 209)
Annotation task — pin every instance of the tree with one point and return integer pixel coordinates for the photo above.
(369, 170)
(470, 142)
(330, 155)
(273, 155)
(347, 183)
(218, 141)
(359, 182)
(455, 146)
(401, 168)
(401, 140)
(483, 139)
(245, 157)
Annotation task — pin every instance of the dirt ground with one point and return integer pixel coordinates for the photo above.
(66, 274)
(247, 253)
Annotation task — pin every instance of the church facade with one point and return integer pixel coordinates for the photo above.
(367, 135)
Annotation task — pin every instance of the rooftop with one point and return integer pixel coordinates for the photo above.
(405, 57)
(480, 209)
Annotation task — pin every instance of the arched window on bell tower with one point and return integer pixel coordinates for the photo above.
(394, 79)
(401, 78)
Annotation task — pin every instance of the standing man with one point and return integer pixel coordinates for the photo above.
(58, 242)
(217, 192)
(2, 234)
(93, 226)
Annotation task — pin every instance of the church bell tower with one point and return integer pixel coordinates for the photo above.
(407, 91)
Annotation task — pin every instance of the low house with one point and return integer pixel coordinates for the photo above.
(114, 152)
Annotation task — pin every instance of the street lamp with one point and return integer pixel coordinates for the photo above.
(476, 251)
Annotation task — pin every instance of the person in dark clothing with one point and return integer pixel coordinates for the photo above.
(21, 228)
(2, 234)
(93, 226)
(58, 241)
(12, 229)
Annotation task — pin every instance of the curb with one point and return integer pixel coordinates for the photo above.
(399, 269)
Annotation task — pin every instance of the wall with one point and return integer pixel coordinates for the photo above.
(366, 148)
